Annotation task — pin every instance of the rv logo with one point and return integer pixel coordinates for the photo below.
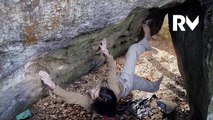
(182, 20)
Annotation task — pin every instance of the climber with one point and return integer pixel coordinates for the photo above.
(103, 98)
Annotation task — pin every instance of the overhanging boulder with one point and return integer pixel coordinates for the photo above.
(61, 37)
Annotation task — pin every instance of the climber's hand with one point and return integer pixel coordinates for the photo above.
(103, 46)
(45, 77)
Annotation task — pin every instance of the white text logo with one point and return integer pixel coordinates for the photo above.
(184, 20)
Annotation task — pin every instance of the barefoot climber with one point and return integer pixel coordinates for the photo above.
(103, 98)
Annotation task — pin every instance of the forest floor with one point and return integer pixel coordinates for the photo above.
(151, 65)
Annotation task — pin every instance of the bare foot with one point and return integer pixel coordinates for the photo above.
(157, 83)
(146, 30)
(45, 77)
(160, 79)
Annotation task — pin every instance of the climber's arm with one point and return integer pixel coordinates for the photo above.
(69, 97)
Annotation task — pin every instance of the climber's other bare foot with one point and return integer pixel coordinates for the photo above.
(146, 30)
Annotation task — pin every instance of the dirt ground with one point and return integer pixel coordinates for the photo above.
(151, 65)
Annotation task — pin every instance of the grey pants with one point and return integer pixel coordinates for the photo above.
(127, 77)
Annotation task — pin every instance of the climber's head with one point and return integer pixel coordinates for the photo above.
(105, 101)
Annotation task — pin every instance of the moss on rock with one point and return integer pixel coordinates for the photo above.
(83, 53)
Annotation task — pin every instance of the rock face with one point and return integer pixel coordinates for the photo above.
(208, 55)
(194, 54)
(61, 37)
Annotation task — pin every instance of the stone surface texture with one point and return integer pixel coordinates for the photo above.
(61, 37)
(194, 55)
(208, 55)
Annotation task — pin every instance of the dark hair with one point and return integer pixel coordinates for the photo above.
(106, 103)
